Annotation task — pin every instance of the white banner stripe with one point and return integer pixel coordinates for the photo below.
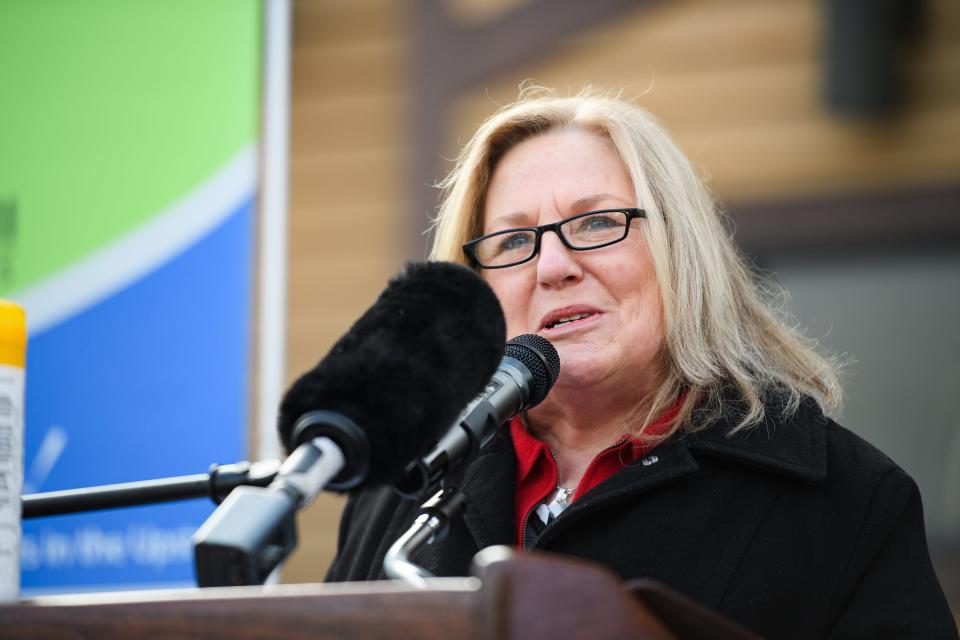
(143, 249)
(272, 293)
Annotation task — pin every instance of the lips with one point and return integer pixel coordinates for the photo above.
(564, 316)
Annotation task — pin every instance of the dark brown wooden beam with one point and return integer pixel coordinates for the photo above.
(907, 219)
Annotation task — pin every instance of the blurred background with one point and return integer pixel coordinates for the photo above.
(829, 130)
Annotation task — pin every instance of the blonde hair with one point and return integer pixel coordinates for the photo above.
(727, 346)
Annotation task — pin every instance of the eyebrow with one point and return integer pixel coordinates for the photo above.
(522, 219)
(585, 203)
(510, 220)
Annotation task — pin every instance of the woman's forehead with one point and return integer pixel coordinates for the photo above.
(557, 173)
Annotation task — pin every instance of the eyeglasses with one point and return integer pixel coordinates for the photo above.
(582, 232)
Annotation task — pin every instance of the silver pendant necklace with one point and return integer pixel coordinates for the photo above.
(563, 495)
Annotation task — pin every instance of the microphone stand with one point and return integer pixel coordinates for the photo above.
(254, 530)
(215, 484)
(431, 524)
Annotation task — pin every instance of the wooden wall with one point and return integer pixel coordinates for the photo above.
(346, 202)
(738, 82)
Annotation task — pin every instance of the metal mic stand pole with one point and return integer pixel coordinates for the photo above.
(431, 524)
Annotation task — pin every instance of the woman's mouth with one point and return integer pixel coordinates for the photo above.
(567, 319)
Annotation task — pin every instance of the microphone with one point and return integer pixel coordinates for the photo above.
(382, 395)
(392, 384)
(528, 371)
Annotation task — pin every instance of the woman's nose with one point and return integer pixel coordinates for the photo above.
(556, 264)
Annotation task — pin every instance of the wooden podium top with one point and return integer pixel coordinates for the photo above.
(531, 596)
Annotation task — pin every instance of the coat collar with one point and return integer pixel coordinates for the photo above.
(794, 447)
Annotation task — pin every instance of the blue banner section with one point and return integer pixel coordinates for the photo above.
(149, 383)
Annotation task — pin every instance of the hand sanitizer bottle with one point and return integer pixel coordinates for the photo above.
(13, 348)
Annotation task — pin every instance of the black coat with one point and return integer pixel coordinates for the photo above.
(795, 529)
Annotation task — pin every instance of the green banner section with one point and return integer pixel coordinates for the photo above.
(111, 110)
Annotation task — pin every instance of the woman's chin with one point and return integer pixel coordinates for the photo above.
(581, 372)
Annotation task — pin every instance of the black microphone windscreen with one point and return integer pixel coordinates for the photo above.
(406, 368)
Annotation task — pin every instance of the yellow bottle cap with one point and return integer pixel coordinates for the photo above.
(13, 334)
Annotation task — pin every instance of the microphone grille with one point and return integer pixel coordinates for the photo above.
(541, 358)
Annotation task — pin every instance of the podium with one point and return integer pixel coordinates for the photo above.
(533, 596)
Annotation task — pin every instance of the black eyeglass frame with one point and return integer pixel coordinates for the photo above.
(632, 214)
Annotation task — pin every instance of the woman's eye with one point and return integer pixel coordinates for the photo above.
(598, 222)
(512, 242)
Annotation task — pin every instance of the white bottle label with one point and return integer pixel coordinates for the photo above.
(11, 479)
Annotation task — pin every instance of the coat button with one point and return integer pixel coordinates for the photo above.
(649, 460)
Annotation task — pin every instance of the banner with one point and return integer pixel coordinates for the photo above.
(127, 190)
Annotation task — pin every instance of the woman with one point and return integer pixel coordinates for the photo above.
(685, 439)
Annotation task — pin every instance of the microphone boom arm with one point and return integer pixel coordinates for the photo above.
(215, 484)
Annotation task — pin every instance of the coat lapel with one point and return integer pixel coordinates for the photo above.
(668, 463)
